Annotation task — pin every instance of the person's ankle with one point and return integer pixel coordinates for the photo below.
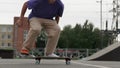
(26, 48)
(51, 55)
(46, 54)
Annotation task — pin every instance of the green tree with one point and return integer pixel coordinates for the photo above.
(65, 36)
(85, 36)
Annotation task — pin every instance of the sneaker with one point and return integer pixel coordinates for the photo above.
(24, 52)
(32, 56)
(26, 56)
(52, 55)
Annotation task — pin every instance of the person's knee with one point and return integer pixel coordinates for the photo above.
(35, 30)
(54, 33)
(58, 30)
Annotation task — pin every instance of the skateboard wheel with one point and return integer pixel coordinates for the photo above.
(67, 62)
(37, 62)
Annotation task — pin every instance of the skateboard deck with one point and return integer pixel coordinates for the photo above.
(38, 59)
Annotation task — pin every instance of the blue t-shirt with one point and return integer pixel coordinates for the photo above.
(43, 9)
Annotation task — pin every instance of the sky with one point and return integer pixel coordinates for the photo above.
(76, 11)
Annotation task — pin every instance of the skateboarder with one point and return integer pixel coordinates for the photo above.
(44, 14)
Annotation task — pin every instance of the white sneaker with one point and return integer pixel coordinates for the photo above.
(32, 56)
(52, 55)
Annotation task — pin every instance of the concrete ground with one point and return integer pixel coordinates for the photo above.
(30, 63)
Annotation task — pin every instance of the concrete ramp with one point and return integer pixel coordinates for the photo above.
(110, 53)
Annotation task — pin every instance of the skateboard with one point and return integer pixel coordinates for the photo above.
(38, 59)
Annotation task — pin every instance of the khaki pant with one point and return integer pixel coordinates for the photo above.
(52, 29)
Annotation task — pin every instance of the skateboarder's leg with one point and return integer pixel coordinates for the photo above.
(53, 32)
(35, 28)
